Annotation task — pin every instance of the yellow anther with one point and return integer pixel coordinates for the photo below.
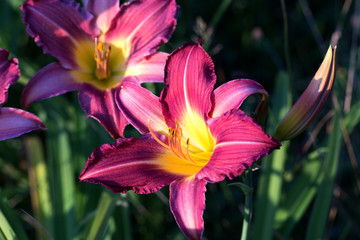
(100, 47)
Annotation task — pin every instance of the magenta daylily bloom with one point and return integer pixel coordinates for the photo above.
(97, 48)
(13, 122)
(191, 136)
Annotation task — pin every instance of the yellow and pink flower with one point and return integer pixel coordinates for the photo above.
(98, 47)
(192, 135)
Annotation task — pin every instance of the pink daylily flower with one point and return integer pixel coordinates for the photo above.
(191, 136)
(13, 122)
(97, 48)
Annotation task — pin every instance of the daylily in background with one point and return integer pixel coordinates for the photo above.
(96, 48)
(310, 103)
(191, 136)
(13, 122)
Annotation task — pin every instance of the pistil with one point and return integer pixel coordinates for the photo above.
(102, 59)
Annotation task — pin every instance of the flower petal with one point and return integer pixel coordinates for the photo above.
(104, 12)
(231, 95)
(189, 79)
(15, 122)
(150, 69)
(101, 106)
(129, 164)
(57, 26)
(140, 106)
(143, 25)
(187, 203)
(9, 73)
(240, 141)
(50, 81)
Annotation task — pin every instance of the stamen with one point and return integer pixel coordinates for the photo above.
(179, 147)
(172, 143)
(175, 142)
(156, 139)
(187, 151)
(102, 59)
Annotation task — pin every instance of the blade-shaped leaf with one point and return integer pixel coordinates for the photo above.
(103, 214)
(320, 212)
(10, 226)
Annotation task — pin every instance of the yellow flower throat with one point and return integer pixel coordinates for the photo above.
(187, 154)
(100, 64)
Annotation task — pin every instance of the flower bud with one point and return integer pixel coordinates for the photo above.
(310, 103)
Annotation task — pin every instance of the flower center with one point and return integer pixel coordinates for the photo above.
(181, 147)
(100, 64)
(102, 59)
(176, 145)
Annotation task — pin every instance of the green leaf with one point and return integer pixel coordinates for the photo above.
(103, 214)
(270, 182)
(301, 193)
(245, 188)
(10, 226)
(320, 211)
(352, 119)
(60, 167)
(39, 185)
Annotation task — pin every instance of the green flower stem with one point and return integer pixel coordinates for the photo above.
(125, 215)
(247, 178)
(286, 37)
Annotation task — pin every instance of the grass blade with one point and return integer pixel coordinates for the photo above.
(39, 185)
(270, 182)
(10, 226)
(322, 203)
(103, 214)
(301, 193)
(61, 173)
(352, 119)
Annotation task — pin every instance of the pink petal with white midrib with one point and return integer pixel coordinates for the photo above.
(240, 141)
(138, 24)
(187, 203)
(141, 107)
(189, 80)
(104, 12)
(230, 95)
(129, 164)
(150, 69)
(58, 26)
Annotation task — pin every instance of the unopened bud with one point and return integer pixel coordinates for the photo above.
(310, 103)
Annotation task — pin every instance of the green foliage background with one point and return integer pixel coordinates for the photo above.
(308, 189)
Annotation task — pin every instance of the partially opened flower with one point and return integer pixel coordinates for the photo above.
(13, 122)
(96, 48)
(310, 103)
(191, 136)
